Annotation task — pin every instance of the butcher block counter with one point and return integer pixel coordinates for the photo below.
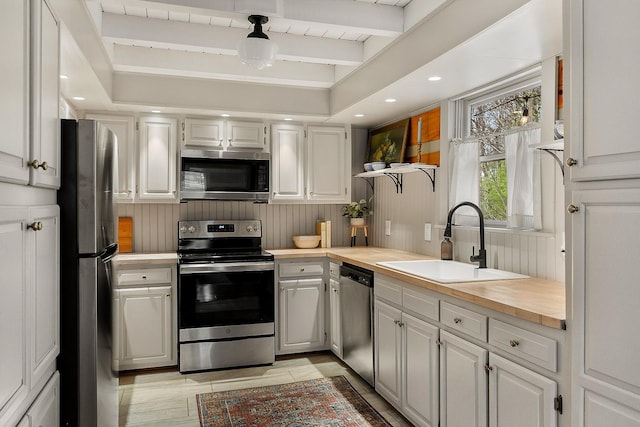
(536, 300)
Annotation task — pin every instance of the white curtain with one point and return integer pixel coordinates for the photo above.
(523, 180)
(464, 167)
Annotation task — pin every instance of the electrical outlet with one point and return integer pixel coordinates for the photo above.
(427, 231)
(387, 228)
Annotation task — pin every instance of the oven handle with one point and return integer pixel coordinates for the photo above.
(224, 267)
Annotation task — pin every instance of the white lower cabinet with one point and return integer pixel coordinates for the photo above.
(45, 410)
(406, 363)
(301, 306)
(335, 321)
(145, 324)
(463, 382)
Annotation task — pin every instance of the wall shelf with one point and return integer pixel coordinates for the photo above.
(396, 174)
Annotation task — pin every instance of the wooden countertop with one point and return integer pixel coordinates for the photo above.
(146, 258)
(536, 300)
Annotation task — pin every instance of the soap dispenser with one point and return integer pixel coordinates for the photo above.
(446, 249)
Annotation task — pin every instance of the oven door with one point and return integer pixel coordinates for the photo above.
(226, 300)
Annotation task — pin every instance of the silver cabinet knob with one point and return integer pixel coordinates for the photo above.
(457, 320)
(572, 209)
(488, 368)
(571, 161)
(36, 164)
(514, 343)
(35, 226)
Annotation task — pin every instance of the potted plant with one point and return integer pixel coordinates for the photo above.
(357, 211)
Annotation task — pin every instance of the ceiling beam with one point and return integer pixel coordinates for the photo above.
(205, 65)
(340, 15)
(133, 30)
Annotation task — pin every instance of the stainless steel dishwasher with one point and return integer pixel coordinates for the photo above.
(356, 311)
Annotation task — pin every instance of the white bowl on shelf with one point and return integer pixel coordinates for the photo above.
(378, 165)
(368, 167)
(306, 242)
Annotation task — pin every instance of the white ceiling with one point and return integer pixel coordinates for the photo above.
(336, 59)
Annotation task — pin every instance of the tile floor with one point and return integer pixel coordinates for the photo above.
(168, 398)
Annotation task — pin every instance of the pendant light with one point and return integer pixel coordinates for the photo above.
(257, 50)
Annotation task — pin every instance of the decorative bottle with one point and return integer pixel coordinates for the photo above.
(446, 249)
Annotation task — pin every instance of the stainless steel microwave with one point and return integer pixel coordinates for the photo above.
(224, 175)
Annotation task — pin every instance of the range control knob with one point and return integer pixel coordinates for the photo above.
(191, 229)
(255, 227)
(183, 229)
(249, 229)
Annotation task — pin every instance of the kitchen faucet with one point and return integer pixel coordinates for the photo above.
(481, 258)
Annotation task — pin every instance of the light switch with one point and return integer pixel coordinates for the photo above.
(427, 231)
(387, 228)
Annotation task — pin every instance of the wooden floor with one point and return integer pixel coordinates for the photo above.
(168, 398)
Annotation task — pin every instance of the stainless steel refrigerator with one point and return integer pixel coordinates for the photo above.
(88, 232)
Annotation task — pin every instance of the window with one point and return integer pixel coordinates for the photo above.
(490, 118)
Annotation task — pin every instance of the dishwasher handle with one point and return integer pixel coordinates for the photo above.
(358, 275)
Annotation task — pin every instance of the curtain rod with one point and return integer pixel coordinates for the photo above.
(502, 133)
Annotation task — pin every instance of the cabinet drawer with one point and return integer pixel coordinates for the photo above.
(149, 276)
(463, 320)
(530, 346)
(300, 269)
(420, 303)
(334, 270)
(387, 290)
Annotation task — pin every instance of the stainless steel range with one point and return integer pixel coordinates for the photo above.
(226, 301)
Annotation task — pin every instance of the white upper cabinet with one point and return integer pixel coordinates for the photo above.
(603, 138)
(14, 86)
(29, 115)
(328, 159)
(287, 164)
(158, 159)
(45, 96)
(207, 134)
(123, 128)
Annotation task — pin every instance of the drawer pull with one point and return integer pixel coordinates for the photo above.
(302, 269)
(401, 324)
(457, 320)
(514, 343)
(488, 368)
(35, 226)
(144, 277)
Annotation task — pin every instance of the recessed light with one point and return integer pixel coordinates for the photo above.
(288, 119)
(225, 115)
(390, 100)
(63, 77)
(79, 98)
(434, 78)
(359, 115)
(156, 111)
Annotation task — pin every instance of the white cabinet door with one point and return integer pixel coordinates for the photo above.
(45, 95)
(328, 159)
(387, 351)
(45, 410)
(145, 327)
(14, 379)
(463, 383)
(420, 365)
(204, 134)
(519, 396)
(301, 315)
(14, 86)
(245, 134)
(123, 128)
(287, 162)
(44, 292)
(602, 116)
(158, 159)
(605, 275)
(335, 321)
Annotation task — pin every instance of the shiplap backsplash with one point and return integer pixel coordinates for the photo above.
(533, 254)
(155, 226)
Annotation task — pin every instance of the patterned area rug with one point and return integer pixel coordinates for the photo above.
(322, 402)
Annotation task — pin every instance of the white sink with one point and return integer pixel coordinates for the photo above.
(449, 271)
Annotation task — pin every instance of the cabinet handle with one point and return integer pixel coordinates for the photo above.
(168, 295)
(439, 343)
(35, 226)
(457, 320)
(302, 269)
(488, 368)
(396, 322)
(144, 277)
(401, 324)
(36, 164)
(572, 209)
(571, 161)
(514, 343)
(282, 289)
